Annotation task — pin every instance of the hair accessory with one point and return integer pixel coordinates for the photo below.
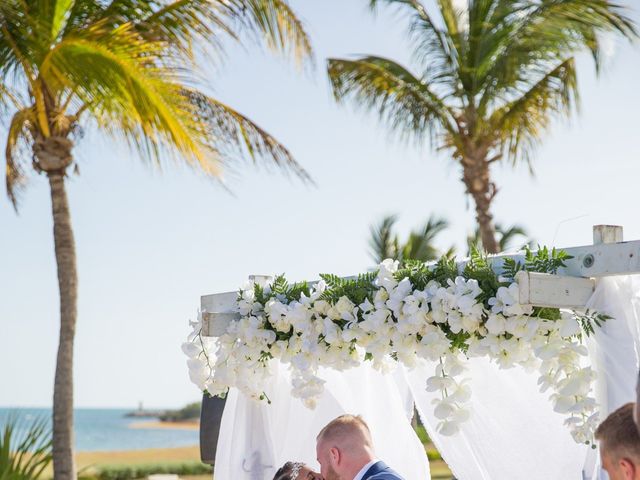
(295, 470)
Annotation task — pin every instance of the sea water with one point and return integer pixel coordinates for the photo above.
(108, 429)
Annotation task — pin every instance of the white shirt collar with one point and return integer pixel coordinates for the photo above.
(365, 468)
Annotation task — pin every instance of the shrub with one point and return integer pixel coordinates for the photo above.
(25, 449)
(186, 413)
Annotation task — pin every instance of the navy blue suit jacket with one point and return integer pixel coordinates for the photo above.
(380, 471)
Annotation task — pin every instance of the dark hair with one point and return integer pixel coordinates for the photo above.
(618, 434)
(284, 472)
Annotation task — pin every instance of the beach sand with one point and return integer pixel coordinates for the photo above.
(88, 461)
(138, 457)
(155, 424)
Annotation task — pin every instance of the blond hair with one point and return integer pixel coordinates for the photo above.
(346, 428)
(618, 435)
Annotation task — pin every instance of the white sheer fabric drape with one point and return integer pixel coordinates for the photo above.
(257, 438)
(614, 349)
(513, 432)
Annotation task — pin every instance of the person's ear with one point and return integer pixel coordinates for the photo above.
(335, 455)
(628, 468)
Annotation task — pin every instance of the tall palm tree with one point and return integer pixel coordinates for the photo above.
(126, 67)
(487, 80)
(383, 243)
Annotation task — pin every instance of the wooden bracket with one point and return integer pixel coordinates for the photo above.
(545, 290)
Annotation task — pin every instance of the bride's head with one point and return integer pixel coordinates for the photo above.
(296, 471)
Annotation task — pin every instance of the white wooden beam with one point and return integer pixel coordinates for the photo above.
(602, 260)
(561, 290)
(219, 302)
(219, 309)
(545, 290)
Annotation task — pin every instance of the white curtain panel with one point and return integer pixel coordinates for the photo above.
(614, 349)
(257, 438)
(513, 432)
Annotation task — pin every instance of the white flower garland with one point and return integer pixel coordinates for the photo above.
(399, 324)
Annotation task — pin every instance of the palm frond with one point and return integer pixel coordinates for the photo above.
(520, 124)
(530, 36)
(420, 244)
(61, 10)
(110, 73)
(402, 101)
(433, 48)
(276, 23)
(183, 23)
(230, 132)
(383, 243)
(17, 153)
(508, 234)
(25, 448)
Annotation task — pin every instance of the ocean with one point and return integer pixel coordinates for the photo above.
(108, 430)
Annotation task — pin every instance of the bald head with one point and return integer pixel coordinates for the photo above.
(344, 446)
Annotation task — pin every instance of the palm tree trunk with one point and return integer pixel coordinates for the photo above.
(477, 178)
(64, 467)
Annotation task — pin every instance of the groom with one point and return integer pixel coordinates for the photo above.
(345, 452)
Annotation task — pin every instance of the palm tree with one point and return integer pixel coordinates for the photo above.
(383, 243)
(488, 80)
(128, 68)
(505, 238)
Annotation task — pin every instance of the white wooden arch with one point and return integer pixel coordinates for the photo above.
(571, 287)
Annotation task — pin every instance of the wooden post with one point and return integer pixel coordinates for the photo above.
(607, 234)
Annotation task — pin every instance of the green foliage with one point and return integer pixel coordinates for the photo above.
(132, 472)
(589, 320)
(281, 288)
(547, 313)
(421, 433)
(187, 412)
(418, 272)
(25, 449)
(510, 268)
(544, 260)
(446, 269)
(479, 268)
(355, 289)
(418, 246)
(458, 340)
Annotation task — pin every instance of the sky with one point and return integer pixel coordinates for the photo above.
(150, 243)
